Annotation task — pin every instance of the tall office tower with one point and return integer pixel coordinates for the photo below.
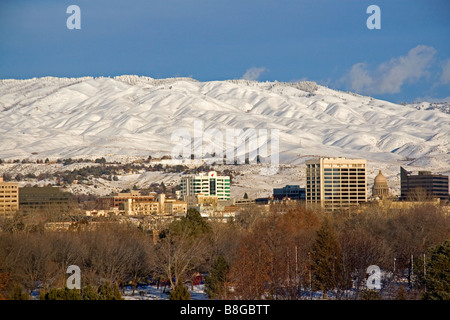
(336, 183)
(207, 184)
(9, 197)
(432, 185)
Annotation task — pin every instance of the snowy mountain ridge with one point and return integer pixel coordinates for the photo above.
(135, 116)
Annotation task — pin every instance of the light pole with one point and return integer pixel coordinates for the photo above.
(424, 272)
(394, 264)
(310, 277)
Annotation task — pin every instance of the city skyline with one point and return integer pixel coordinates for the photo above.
(334, 183)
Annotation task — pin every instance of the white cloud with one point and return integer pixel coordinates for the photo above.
(359, 77)
(253, 73)
(391, 75)
(445, 76)
(432, 99)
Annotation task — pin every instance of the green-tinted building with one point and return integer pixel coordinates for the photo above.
(207, 184)
(32, 199)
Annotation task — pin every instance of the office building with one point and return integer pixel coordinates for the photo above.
(292, 192)
(142, 208)
(161, 207)
(336, 183)
(118, 200)
(173, 207)
(207, 184)
(193, 201)
(43, 199)
(9, 197)
(423, 185)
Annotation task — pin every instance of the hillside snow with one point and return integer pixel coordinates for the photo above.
(131, 116)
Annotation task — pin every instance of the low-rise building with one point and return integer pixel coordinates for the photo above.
(160, 206)
(393, 204)
(43, 199)
(118, 200)
(175, 207)
(193, 201)
(104, 213)
(292, 192)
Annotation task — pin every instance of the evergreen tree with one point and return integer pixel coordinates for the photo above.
(215, 282)
(327, 265)
(192, 223)
(89, 293)
(370, 294)
(62, 294)
(72, 294)
(100, 160)
(437, 277)
(401, 294)
(246, 196)
(180, 292)
(108, 291)
(17, 293)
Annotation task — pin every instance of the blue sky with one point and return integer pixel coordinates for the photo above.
(326, 41)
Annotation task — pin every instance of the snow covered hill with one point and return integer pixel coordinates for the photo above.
(131, 116)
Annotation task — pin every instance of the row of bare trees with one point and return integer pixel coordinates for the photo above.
(115, 254)
(284, 256)
(289, 253)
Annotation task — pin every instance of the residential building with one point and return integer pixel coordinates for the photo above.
(207, 184)
(423, 185)
(9, 197)
(336, 183)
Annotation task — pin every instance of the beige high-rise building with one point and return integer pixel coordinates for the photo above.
(9, 197)
(336, 183)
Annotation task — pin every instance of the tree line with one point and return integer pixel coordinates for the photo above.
(287, 253)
